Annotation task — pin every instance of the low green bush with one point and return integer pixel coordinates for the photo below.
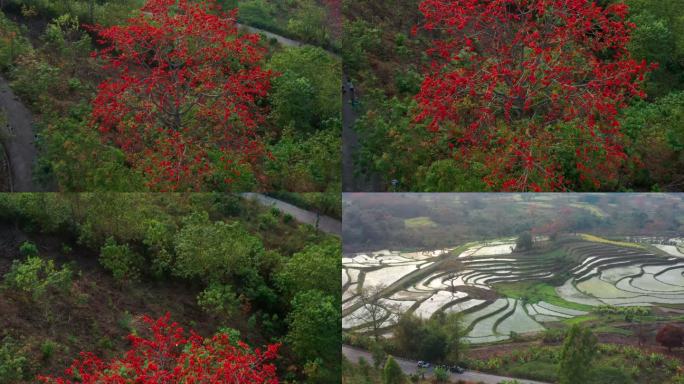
(37, 277)
(610, 375)
(536, 370)
(28, 249)
(13, 364)
(553, 335)
(267, 221)
(47, 349)
(441, 375)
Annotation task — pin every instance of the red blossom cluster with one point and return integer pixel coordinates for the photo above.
(171, 357)
(183, 99)
(515, 83)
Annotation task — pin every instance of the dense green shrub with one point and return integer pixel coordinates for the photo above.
(257, 13)
(313, 316)
(219, 300)
(308, 164)
(214, 251)
(315, 267)
(159, 242)
(308, 24)
(43, 212)
(124, 263)
(311, 78)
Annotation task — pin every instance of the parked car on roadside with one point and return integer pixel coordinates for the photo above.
(456, 369)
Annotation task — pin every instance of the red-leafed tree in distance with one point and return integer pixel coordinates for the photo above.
(531, 89)
(184, 100)
(170, 356)
(670, 336)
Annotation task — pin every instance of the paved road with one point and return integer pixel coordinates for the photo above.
(325, 223)
(281, 39)
(409, 366)
(19, 142)
(285, 41)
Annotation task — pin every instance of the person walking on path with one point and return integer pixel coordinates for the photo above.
(352, 95)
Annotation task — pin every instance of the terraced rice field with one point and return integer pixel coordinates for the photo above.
(623, 276)
(420, 283)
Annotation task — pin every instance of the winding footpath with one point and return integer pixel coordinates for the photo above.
(325, 223)
(19, 139)
(409, 367)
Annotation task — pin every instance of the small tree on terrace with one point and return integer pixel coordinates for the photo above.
(183, 102)
(392, 373)
(670, 336)
(578, 351)
(530, 89)
(524, 242)
(374, 311)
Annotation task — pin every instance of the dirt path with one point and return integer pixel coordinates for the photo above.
(350, 146)
(410, 366)
(19, 139)
(350, 141)
(325, 223)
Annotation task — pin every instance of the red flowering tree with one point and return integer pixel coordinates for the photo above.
(530, 88)
(170, 356)
(183, 100)
(670, 336)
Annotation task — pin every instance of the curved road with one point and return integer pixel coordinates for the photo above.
(281, 39)
(409, 366)
(325, 223)
(285, 41)
(19, 139)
